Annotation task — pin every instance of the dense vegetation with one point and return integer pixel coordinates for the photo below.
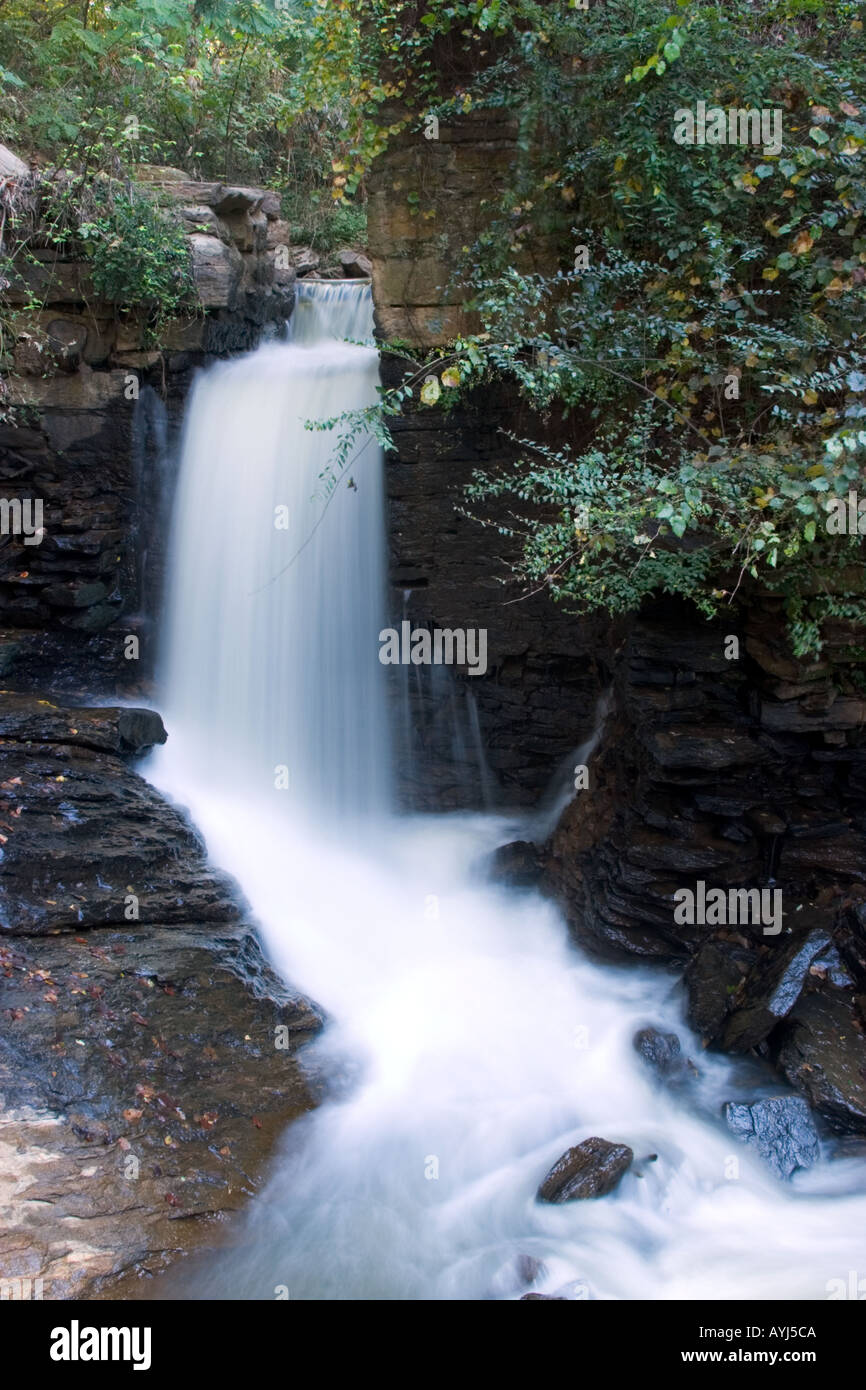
(701, 307)
(706, 316)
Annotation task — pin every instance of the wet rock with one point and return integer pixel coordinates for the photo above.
(707, 748)
(712, 979)
(798, 717)
(663, 1053)
(781, 1129)
(547, 1297)
(84, 840)
(771, 993)
(590, 1169)
(518, 864)
(145, 1075)
(104, 728)
(823, 1054)
(844, 855)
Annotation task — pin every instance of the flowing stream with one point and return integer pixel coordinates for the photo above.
(473, 1043)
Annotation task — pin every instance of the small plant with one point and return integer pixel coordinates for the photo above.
(140, 258)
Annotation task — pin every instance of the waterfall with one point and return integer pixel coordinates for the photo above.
(478, 1043)
(271, 661)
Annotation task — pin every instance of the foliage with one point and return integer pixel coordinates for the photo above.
(220, 88)
(139, 256)
(708, 338)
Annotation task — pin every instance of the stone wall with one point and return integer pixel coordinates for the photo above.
(92, 402)
(428, 199)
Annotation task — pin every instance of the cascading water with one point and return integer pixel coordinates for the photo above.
(482, 1044)
(272, 663)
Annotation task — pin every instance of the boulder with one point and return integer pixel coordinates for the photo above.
(279, 234)
(663, 1053)
(517, 865)
(781, 1129)
(823, 1054)
(712, 979)
(203, 219)
(85, 841)
(355, 264)
(771, 993)
(304, 259)
(160, 173)
(216, 269)
(238, 199)
(142, 1096)
(11, 167)
(590, 1169)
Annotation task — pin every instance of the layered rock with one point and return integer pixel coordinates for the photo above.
(92, 410)
(147, 1051)
(733, 774)
(592, 1168)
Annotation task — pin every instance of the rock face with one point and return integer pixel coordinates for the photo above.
(823, 1053)
(86, 841)
(146, 1049)
(501, 735)
(537, 700)
(88, 422)
(780, 1129)
(143, 1082)
(590, 1169)
(693, 784)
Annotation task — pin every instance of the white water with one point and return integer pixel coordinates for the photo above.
(477, 1043)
